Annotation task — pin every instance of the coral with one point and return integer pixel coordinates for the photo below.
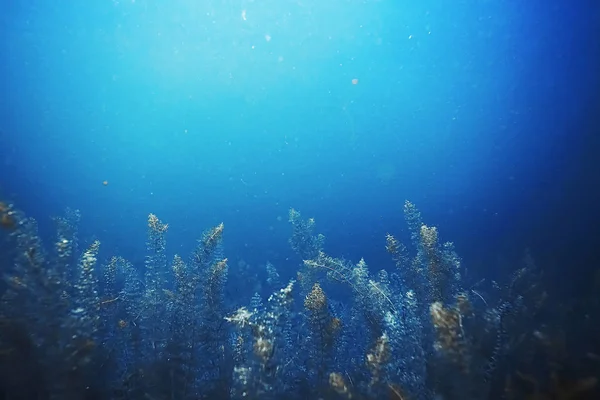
(450, 336)
(413, 219)
(337, 383)
(259, 370)
(324, 330)
(303, 240)
(80, 327)
(398, 251)
(9, 218)
(86, 300)
(430, 247)
(559, 388)
(156, 260)
(273, 278)
(357, 277)
(60, 316)
(378, 357)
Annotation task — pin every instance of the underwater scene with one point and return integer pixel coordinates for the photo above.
(299, 199)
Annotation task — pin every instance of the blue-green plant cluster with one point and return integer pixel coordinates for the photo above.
(76, 328)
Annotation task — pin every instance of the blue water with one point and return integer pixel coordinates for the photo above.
(479, 112)
(193, 113)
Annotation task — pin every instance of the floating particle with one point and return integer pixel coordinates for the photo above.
(355, 81)
(105, 183)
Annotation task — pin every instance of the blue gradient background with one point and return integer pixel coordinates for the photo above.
(482, 113)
